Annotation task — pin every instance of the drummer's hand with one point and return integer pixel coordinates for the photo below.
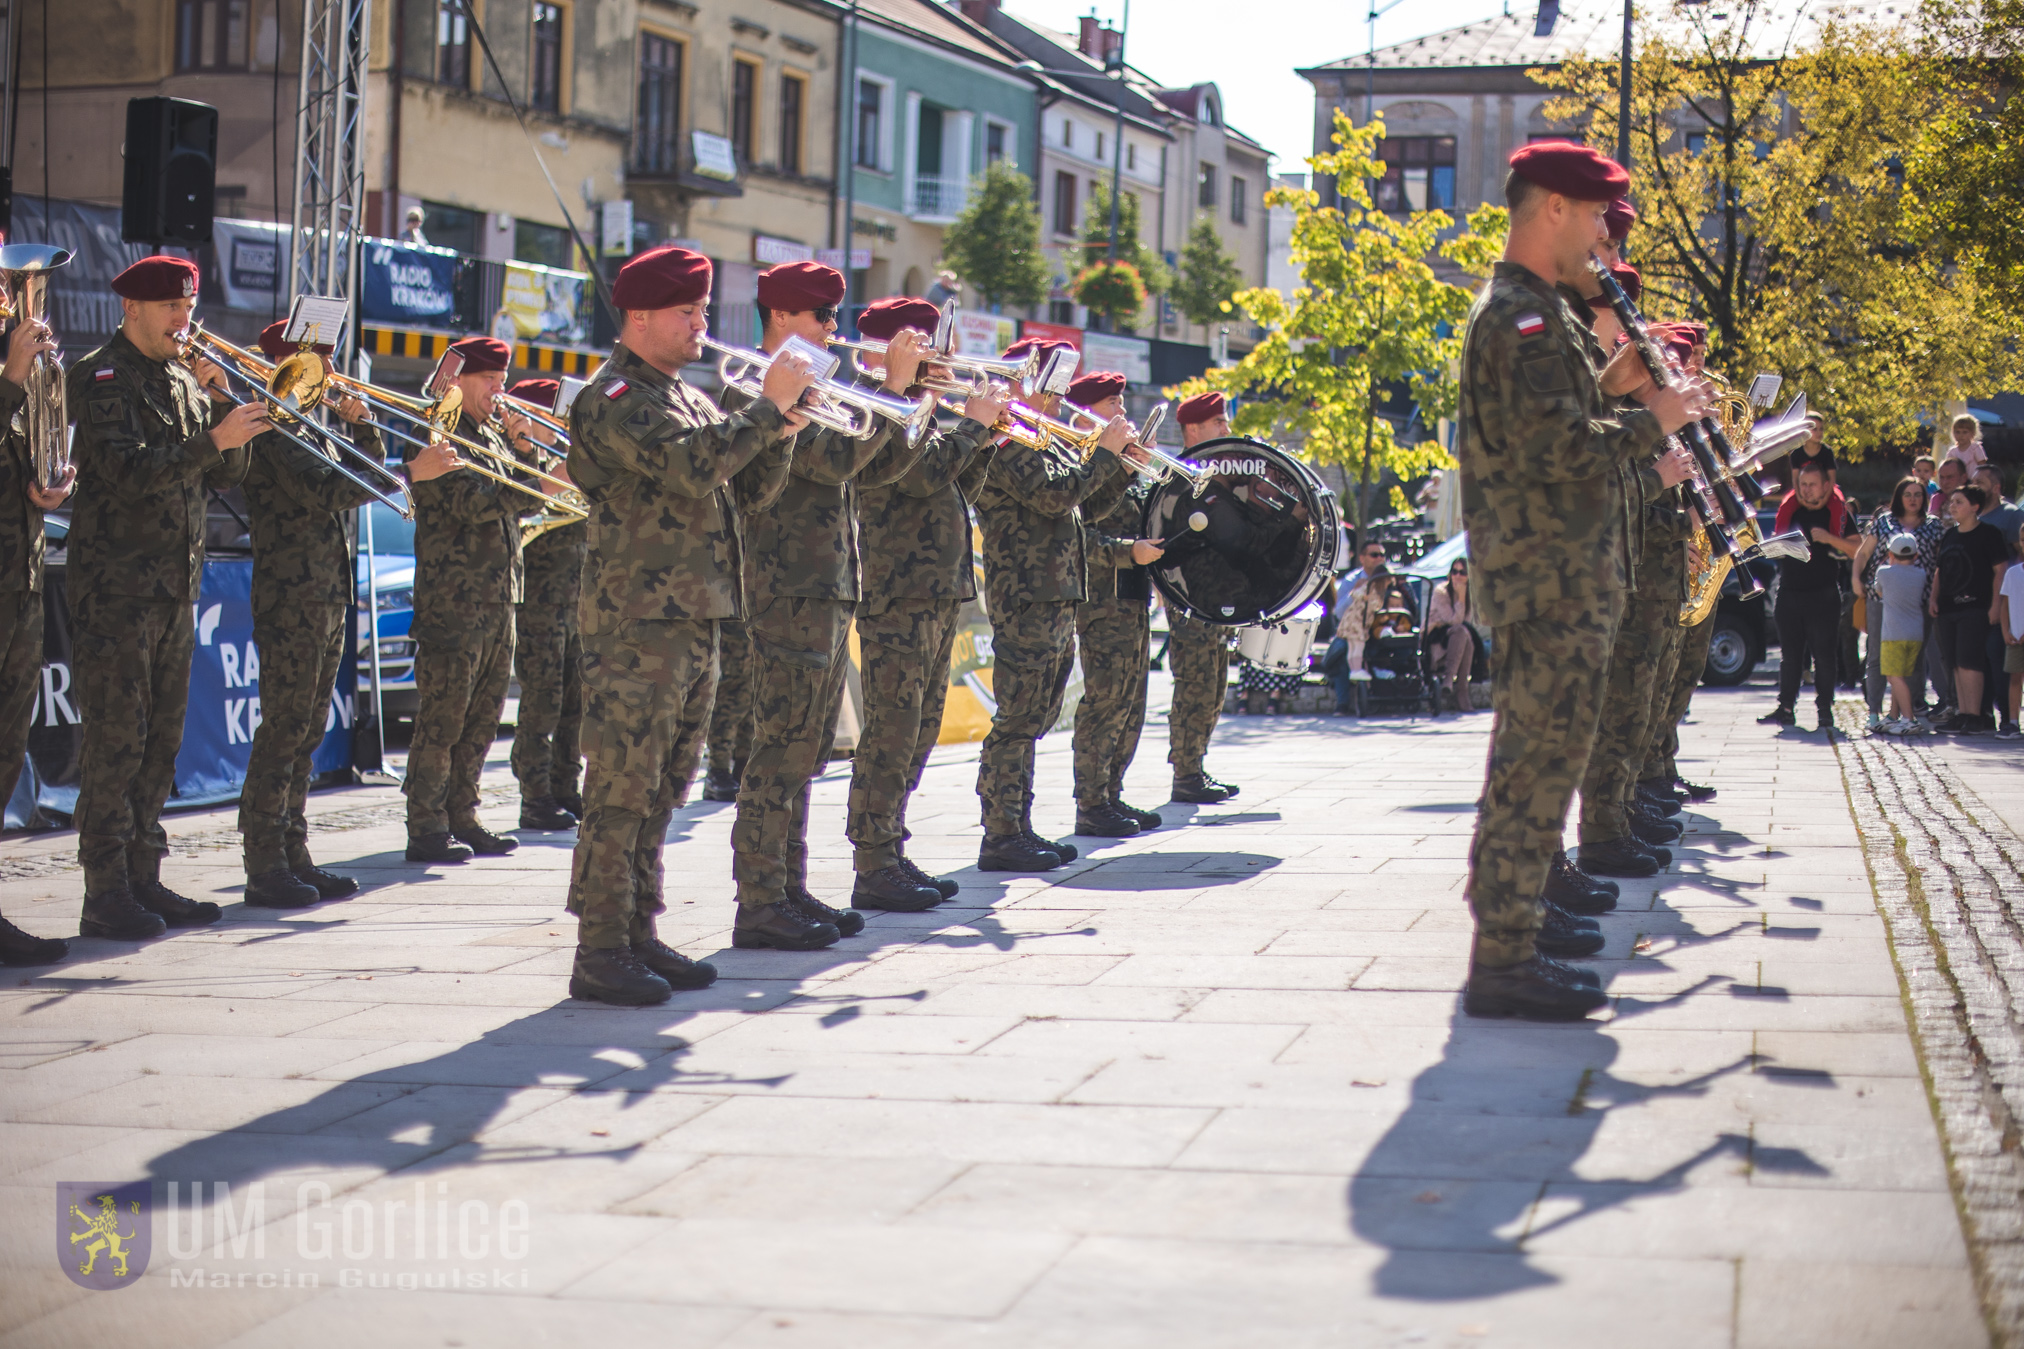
(1116, 436)
(351, 409)
(903, 360)
(1147, 551)
(29, 340)
(211, 376)
(433, 462)
(50, 497)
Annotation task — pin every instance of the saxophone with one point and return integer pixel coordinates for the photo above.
(1706, 570)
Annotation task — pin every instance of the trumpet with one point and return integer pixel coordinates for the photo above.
(290, 388)
(844, 408)
(24, 270)
(1086, 428)
(1009, 426)
(534, 412)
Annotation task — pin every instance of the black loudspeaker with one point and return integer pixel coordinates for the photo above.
(171, 171)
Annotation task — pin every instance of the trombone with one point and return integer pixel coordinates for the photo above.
(534, 412)
(290, 390)
(844, 408)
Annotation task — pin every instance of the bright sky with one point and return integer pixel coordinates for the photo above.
(1250, 49)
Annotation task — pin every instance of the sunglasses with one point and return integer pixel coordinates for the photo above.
(826, 314)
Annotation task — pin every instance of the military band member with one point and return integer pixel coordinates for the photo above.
(665, 472)
(1112, 629)
(914, 538)
(22, 502)
(730, 738)
(296, 505)
(468, 577)
(1198, 653)
(1546, 514)
(1035, 575)
(148, 446)
(546, 652)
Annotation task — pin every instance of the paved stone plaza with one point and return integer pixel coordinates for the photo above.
(1205, 1087)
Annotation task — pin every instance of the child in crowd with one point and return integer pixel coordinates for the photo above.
(1902, 584)
(1967, 445)
(1923, 468)
(2012, 608)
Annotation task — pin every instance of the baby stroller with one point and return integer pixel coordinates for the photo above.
(1399, 678)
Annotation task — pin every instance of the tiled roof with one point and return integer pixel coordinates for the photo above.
(925, 19)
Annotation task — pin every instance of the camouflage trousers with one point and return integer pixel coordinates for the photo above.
(646, 692)
(730, 739)
(547, 657)
(799, 659)
(131, 658)
(1641, 662)
(906, 651)
(300, 647)
(461, 693)
(1032, 654)
(1199, 657)
(1547, 676)
(1116, 640)
(20, 679)
(1662, 752)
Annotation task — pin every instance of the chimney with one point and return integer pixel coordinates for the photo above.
(979, 12)
(1549, 15)
(1090, 43)
(1113, 46)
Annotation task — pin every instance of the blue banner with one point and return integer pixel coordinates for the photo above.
(409, 283)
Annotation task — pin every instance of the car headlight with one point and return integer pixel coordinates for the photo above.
(401, 598)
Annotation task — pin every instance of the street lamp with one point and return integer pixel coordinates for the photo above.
(1623, 97)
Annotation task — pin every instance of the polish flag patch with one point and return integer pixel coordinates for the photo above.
(615, 388)
(101, 376)
(1531, 325)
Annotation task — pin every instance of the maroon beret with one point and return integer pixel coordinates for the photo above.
(158, 278)
(1675, 338)
(540, 392)
(274, 348)
(1618, 219)
(796, 286)
(1574, 171)
(1202, 407)
(1627, 277)
(662, 278)
(882, 318)
(1094, 387)
(482, 355)
(1041, 344)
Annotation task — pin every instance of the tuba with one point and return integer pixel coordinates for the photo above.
(24, 272)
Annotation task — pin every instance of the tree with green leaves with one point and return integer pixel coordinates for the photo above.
(1207, 277)
(995, 243)
(1370, 314)
(1151, 271)
(1964, 176)
(1113, 288)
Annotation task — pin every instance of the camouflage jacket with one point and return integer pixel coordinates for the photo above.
(1548, 510)
(295, 503)
(1108, 541)
(1032, 526)
(145, 460)
(665, 469)
(467, 543)
(20, 519)
(1640, 476)
(555, 569)
(805, 541)
(915, 533)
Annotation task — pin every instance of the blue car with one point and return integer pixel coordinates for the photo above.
(392, 543)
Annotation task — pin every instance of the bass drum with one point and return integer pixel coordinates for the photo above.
(1269, 540)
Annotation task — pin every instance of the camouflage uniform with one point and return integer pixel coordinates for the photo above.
(302, 611)
(730, 738)
(547, 654)
(20, 593)
(1549, 526)
(1116, 640)
(665, 472)
(1034, 576)
(144, 458)
(468, 577)
(1662, 753)
(918, 571)
(801, 572)
(1198, 656)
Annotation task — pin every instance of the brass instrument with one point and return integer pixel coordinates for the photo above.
(1085, 428)
(1736, 416)
(842, 407)
(24, 271)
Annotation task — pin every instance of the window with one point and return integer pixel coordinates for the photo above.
(1236, 200)
(870, 122)
(1068, 133)
(1064, 203)
(1419, 174)
(793, 94)
(453, 44)
(1099, 145)
(548, 245)
(656, 138)
(545, 80)
(451, 226)
(1131, 156)
(1205, 188)
(994, 141)
(744, 89)
(211, 34)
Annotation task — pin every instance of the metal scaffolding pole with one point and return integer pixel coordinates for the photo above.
(323, 250)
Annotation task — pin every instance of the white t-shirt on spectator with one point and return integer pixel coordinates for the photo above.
(2013, 591)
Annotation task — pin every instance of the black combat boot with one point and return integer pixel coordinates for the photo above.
(482, 840)
(278, 889)
(118, 915)
(720, 783)
(174, 909)
(1660, 793)
(617, 976)
(948, 887)
(1067, 850)
(1015, 852)
(1228, 789)
(1618, 857)
(892, 889)
(1103, 820)
(436, 847)
(570, 799)
(1661, 855)
(1565, 935)
(546, 814)
(329, 885)
(1199, 790)
(1539, 989)
(1649, 829)
(1148, 820)
(781, 926)
(19, 948)
(1694, 791)
(674, 968)
(1575, 890)
(845, 921)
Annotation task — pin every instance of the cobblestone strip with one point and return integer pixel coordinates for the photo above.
(1948, 875)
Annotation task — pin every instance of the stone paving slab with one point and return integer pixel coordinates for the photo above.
(1208, 1086)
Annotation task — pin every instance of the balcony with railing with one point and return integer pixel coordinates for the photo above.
(938, 199)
